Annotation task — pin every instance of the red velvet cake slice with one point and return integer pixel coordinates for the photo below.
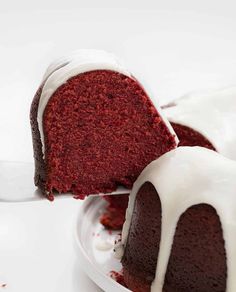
(94, 126)
(180, 227)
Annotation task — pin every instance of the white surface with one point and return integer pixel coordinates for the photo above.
(36, 247)
(174, 46)
(17, 182)
(91, 238)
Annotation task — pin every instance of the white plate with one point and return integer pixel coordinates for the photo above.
(90, 239)
(17, 183)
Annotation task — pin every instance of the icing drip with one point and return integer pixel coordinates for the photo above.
(212, 114)
(104, 245)
(78, 62)
(118, 248)
(198, 175)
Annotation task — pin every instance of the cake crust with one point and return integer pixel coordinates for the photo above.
(39, 162)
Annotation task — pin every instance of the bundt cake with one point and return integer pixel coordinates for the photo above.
(206, 119)
(180, 228)
(94, 126)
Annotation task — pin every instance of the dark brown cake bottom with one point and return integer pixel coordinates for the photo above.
(140, 257)
(198, 259)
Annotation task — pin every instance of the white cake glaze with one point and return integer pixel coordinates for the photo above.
(197, 175)
(212, 114)
(78, 62)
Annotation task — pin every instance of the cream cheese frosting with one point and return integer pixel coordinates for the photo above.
(198, 175)
(212, 114)
(78, 62)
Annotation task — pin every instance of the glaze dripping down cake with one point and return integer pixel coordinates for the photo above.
(180, 227)
(94, 127)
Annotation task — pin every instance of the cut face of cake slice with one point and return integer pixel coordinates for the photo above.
(94, 127)
(180, 228)
(206, 119)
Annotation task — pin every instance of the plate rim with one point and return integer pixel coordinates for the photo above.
(102, 280)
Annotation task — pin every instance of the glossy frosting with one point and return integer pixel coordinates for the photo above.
(212, 114)
(74, 64)
(197, 175)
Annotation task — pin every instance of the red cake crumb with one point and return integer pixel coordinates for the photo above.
(114, 216)
(79, 197)
(112, 219)
(118, 277)
(50, 197)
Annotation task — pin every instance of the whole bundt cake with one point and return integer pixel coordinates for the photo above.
(180, 227)
(94, 126)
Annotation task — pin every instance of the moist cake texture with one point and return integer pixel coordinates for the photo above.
(94, 127)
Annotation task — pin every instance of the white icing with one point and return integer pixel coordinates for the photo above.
(104, 245)
(74, 64)
(182, 178)
(118, 248)
(212, 114)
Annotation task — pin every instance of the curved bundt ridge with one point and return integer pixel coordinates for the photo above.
(184, 178)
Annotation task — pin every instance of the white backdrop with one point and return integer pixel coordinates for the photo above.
(173, 47)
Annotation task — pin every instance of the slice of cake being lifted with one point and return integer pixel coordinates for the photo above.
(94, 127)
